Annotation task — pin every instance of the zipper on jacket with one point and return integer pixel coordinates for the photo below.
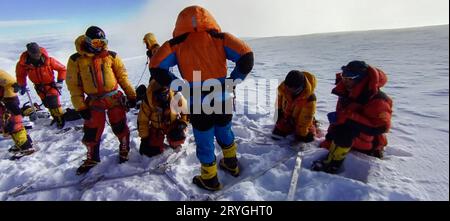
(93, 77)
(103, 75)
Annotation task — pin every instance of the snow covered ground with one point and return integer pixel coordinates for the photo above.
(415, 167)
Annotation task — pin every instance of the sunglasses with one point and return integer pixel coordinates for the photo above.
(349, 76)
(96, 43)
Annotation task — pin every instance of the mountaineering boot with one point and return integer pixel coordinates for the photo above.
(58, 117)
(21, 148)
(230, 162)
(208, 179)
(86, 166)
(92, 159)
(60, 122)
(333, 162)
(124, 149)
(22, 142)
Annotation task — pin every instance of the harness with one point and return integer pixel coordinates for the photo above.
(40, 88)
(99, 97)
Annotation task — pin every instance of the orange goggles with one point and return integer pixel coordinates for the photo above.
(97, 43)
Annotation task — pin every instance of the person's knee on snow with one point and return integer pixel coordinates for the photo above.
(177, 134)
(283, 128)
(153, 144)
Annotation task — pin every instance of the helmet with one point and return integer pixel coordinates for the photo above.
(95, 39)
(95, 32)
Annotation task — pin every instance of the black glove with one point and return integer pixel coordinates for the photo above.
(23, 90)
(147, 150)
(131, 103)
(332, 117)
(306, 139)
(85, 114)
(16, 87)
(59, 85)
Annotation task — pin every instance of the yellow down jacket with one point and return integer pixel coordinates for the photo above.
(301, 108)
(95, 75)
(6, 85)
(152, 115)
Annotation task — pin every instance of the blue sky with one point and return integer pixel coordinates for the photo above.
(26, 16)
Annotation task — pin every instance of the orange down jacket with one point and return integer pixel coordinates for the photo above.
(367, 108)
(199, 45)
(42, 74)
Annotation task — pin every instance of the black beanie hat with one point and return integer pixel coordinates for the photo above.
(33, 48)
(355, 68)
(295, 79)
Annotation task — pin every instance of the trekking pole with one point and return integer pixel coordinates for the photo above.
(295, 175)
(32, 118)
(234, 100)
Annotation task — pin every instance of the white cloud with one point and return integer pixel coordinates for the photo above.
(294, 17)
(23, 23)
(262, 18)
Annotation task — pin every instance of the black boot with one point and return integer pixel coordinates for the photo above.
(60, 122)
(333, 162)
(230, 162)
(27, 146)
(230, 165)
(334, 167)
(87, 165)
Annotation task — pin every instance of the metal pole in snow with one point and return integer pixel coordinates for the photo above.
(295, 174)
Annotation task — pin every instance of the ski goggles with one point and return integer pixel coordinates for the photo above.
(96, 43)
